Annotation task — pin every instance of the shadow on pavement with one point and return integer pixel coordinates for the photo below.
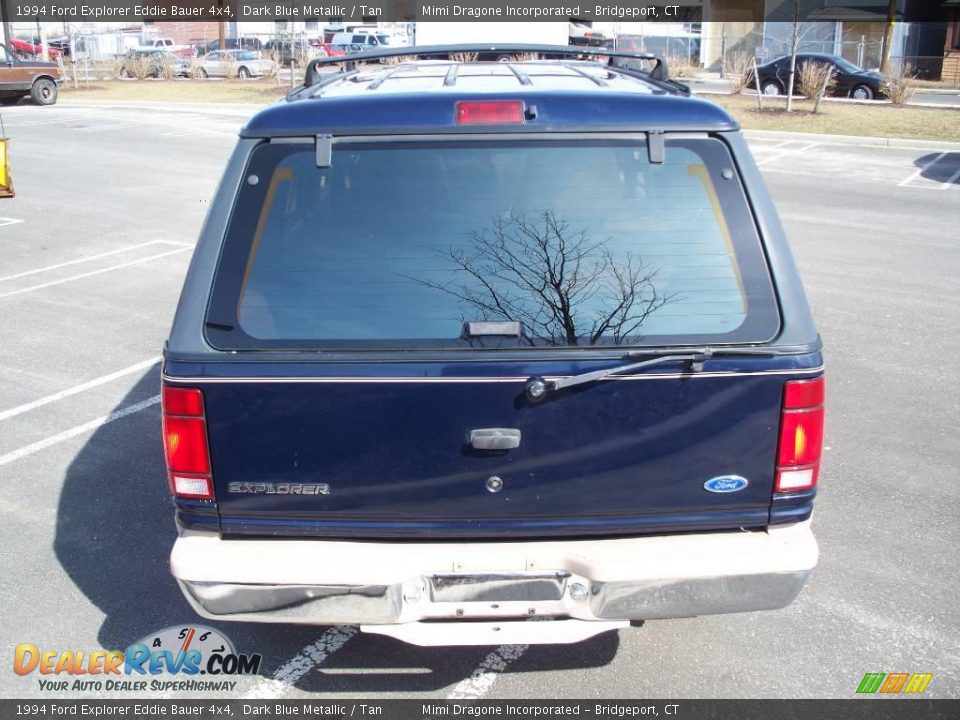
(946, 169)
(115, 528)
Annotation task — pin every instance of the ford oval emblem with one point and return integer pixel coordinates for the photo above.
(726, 484)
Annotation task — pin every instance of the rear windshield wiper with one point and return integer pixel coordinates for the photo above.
(538, 388)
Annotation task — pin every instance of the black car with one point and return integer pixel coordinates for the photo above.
(852, 81)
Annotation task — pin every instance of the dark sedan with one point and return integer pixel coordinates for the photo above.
(852, 81)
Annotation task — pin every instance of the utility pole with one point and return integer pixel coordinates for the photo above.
(3, 19)
(888, 36)
(221, 30)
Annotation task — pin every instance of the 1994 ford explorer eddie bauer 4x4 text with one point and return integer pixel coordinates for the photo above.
(469, 343)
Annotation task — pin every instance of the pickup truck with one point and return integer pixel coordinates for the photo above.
(20, 77)
(467, 344)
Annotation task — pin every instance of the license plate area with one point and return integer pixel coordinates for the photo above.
(497, 587)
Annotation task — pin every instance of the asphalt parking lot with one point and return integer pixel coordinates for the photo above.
(93, 251)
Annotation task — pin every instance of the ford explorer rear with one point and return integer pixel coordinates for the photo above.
(466, 344)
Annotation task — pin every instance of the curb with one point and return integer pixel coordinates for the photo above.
(855, 140)
(221, 109)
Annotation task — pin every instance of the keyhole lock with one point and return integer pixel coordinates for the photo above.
(494, 484)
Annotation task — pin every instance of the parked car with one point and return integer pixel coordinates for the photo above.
(167, 44)
(330, 50)
(241, 64)
(159, 43)
(347, 49)
(23, 47)
(21, 77)
(232, 43)
(364, 39)
(456, 351)
(852, 81)
(582, 33)
(154, 64)
(286, 52)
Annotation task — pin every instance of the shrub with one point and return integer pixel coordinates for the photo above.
(901, 84)
(230, 65)
(738, 68)
(815, 80)
(681, 68)
(164, 68)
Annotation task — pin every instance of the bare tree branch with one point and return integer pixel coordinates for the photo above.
(563, 287)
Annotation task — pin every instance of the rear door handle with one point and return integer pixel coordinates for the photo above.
(495, 438)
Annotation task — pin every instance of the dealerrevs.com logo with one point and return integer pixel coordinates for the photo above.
(169, 660)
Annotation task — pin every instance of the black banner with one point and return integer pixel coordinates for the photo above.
(854, 709)
(472, 10)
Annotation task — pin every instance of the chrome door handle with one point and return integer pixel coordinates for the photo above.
(495, 438)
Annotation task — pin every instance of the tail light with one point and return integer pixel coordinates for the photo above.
(185, 443)
(801, 435)
(489, 112)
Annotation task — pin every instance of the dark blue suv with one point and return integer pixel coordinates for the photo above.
(468, 343)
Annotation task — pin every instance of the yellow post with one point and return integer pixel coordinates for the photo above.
(6, 182)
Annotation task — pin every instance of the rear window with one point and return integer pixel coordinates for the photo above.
(398, 245)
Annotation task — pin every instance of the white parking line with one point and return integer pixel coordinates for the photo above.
(795, 151)
(483, 678)
(4, 221)
(91, 273)
(771, 148)
(96, 382)
(950, 181)
(914, 175)
(102, 128)
(78, 430)
(88, 258)
(303, 662)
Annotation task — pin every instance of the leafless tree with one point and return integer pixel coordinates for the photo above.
(563, 287)
(796, 31)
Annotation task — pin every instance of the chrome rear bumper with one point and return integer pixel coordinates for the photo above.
(589, 585)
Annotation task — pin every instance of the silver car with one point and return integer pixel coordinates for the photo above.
(235, 63)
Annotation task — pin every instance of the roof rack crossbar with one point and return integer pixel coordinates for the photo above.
(383, 77)
(314, 76)
(595, 80)
(521, 76)
(450, 79)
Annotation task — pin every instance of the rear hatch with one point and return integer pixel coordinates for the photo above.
(376, 311)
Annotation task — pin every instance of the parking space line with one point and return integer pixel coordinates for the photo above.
(482, 679)
(923, 168)
(74, 431)
(87, 258)
(91, 273)
(300, 664)
(96, 382)
(761, 148)
(950, 181)
(795, 151)
(4, 221)
(102, 128)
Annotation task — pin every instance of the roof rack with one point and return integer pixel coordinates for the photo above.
(314, 77)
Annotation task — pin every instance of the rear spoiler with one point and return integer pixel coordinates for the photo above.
(413, 52)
